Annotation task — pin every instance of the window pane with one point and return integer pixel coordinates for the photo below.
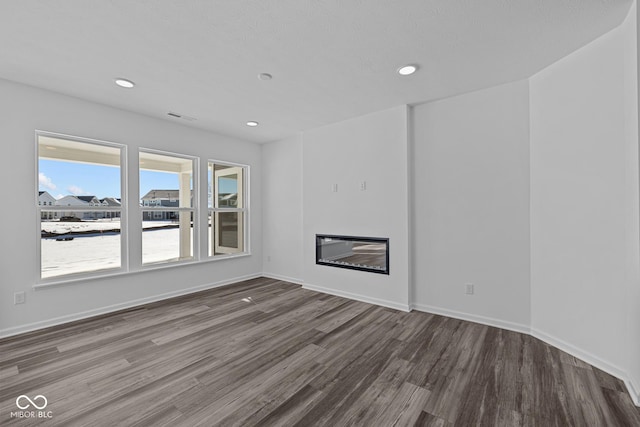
(226, 208)
(78, 175)
(166, 182)
(226, 186)
(228, 193)
(78, 246)
(228, 233)
(166, 236)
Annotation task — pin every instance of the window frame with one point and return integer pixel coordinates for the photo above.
(124, 232)
(194, 209)
(211, 210)
(131, 210)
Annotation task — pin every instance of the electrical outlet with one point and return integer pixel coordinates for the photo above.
(334, 188)
(468, 288)
(363, 185)
(19, 297)
(268, 258)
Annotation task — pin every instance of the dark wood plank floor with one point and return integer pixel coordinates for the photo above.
(266, 352)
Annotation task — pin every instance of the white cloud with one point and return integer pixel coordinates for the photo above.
(75, 190)
(45, 181)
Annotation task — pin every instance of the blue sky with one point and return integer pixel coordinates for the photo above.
(61, 178)
(80, 179)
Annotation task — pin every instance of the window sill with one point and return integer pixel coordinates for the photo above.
(74, 279)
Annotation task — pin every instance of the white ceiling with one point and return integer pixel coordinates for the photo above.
(330, 59)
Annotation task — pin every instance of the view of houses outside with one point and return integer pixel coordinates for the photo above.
(81, 239)
(45, 199)
(84, 240)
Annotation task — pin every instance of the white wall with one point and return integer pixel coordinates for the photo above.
(584, 203)
(371, 148)
(282, 209)
(528, 190)
(23, 110)
(471, 205)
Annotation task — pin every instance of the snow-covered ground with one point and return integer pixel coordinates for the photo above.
(98, 252)
(162, 245)
(80, 255)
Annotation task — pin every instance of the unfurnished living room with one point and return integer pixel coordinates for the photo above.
(320, 213)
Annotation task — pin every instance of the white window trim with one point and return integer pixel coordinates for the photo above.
(246, 210)
(194, 209)
(126, 208)
(124, 235)
(68, 280)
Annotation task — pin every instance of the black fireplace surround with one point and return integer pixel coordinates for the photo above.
(355, 253)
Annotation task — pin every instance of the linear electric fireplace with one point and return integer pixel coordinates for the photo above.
(356, 253)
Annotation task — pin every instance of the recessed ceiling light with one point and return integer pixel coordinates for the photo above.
(128, 84)
(407, 70)
(265, 76)
(252, 124)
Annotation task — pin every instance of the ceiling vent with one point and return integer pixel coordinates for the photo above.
(180, 116)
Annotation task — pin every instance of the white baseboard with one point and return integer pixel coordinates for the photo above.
(8, 332)
(489, 321)
(358, 297)
(590, 359)
(633, 390)
(578, 352)
(283, 278)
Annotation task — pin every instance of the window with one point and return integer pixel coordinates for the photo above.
(167, 183)
(82, 208)
(227, 208)
(78, 233)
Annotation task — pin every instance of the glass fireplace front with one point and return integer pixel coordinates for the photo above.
(356, 253)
